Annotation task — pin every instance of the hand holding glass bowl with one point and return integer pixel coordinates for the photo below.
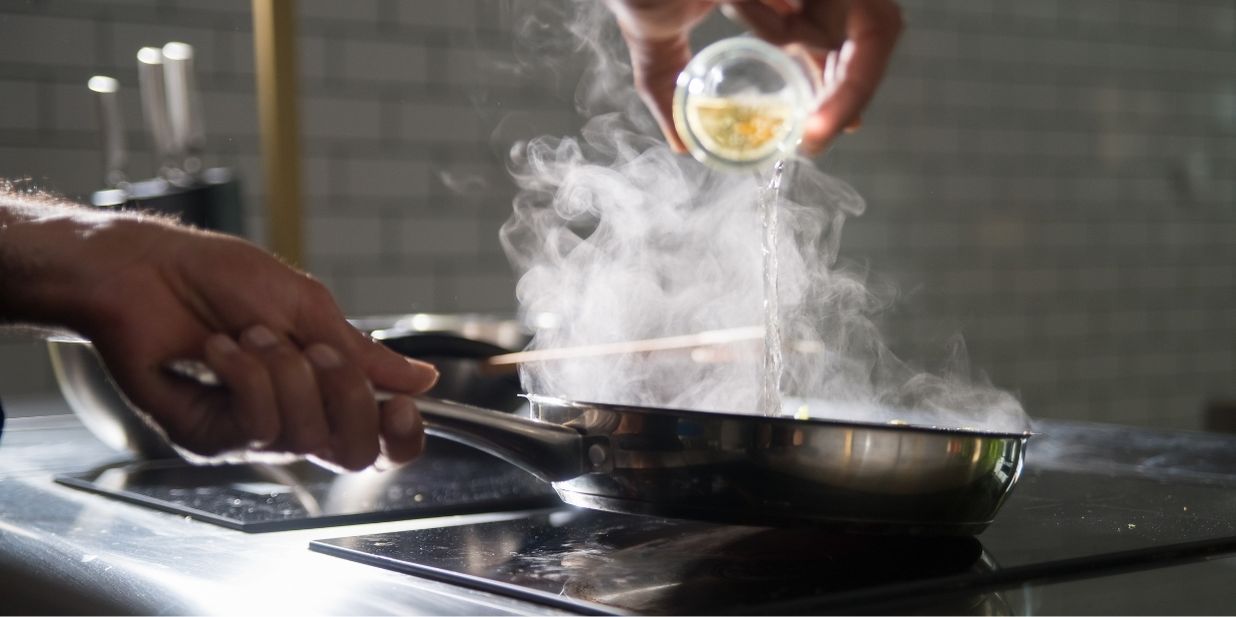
(836, 54)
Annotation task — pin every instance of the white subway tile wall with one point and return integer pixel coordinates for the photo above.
(1052, 180)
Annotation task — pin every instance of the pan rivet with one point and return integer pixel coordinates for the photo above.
(596, 454)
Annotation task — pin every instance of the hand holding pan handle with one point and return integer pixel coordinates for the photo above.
(748, 469)
(548, 451)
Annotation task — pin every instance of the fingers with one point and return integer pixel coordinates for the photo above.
(252, 403)
(656, 64)
(295, 387)
(784, 7)
(656, 35)
(403, 430)
(326, 402)
(351, 410)
(873, 29)
(824, 22)
(818, 24)
(865, 32)
(360, 430)
(324, 371)
(320, 321)
(395, 372)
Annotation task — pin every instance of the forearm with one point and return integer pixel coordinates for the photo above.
(45, 264)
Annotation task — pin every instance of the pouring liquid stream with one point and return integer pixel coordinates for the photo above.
(770, 378)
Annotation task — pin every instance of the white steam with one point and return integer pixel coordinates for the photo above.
(623, 240)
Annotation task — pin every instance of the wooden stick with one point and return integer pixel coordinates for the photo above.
(668, 343)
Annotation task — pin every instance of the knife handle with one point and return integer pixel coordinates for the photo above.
(154, 105)
(111, 129)
(183, 106)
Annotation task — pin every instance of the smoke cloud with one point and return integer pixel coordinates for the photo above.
(620, 239)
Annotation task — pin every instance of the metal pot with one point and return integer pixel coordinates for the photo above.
(98, 402)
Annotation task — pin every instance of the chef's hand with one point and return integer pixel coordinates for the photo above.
(851, 40)
(297, 376)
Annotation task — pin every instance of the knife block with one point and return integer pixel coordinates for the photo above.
(210, 201)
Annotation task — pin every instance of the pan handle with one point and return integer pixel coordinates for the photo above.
(548, 451)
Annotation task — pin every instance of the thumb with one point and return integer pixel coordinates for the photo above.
(323, 323)
(395, 372)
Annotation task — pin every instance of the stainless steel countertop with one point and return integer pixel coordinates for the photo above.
(67, 551)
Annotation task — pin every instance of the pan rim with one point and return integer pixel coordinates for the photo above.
(72, 338)
(784, 420)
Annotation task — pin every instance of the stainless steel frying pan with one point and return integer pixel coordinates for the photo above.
(749, 469)
(741, 468)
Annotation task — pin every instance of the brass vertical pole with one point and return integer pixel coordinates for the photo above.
(274, 45)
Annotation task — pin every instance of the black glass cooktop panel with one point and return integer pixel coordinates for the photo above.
(1057, 525)
(447, 479)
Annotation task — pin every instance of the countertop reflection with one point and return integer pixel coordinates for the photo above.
(67, 551)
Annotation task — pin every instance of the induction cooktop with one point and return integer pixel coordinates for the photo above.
(1069, 518)
(447, 479)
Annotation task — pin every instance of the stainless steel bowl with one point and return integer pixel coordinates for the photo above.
(99, 403)
(109, 415)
